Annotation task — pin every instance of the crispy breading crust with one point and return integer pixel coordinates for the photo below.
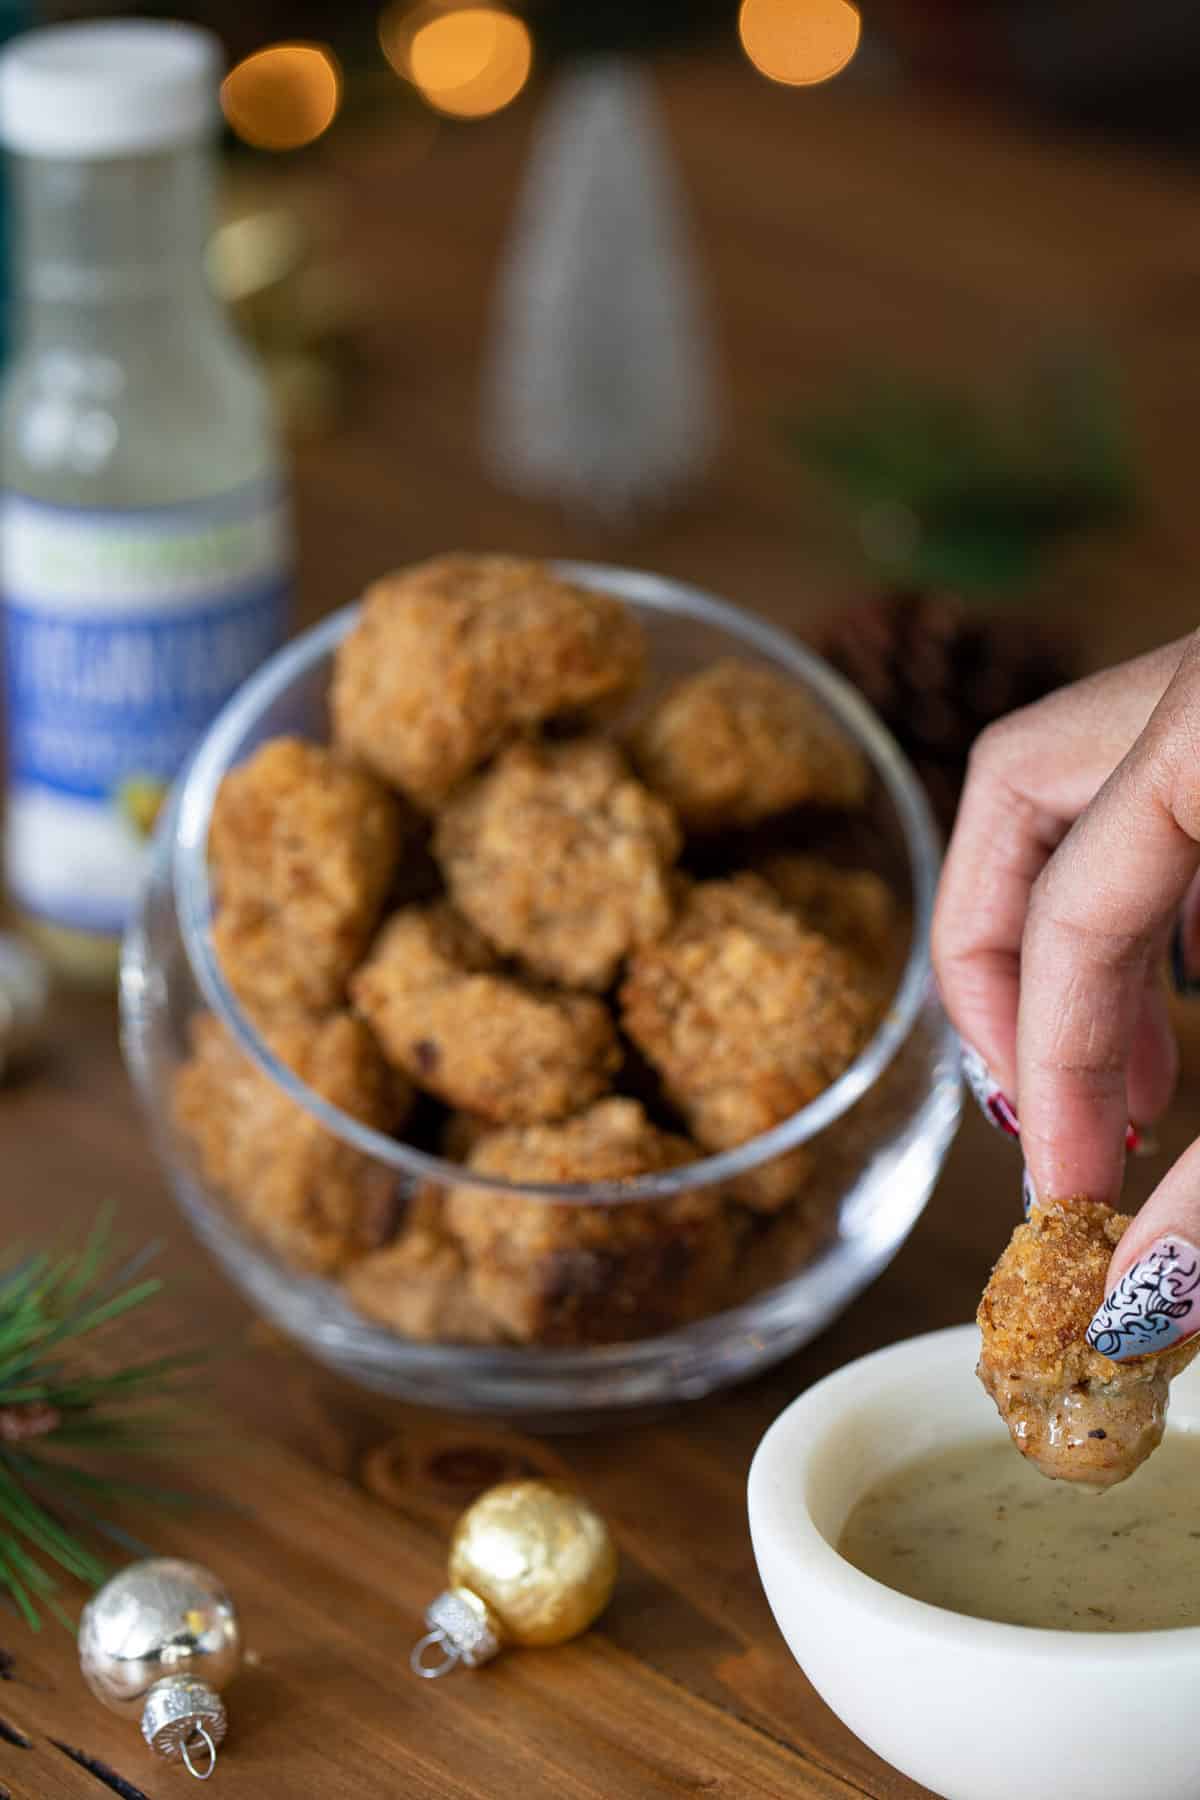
(736, 743)
(561, 858)
(480, 1041)
(316, 1200)
(303, 848)
(1075, 1414)
(854, 908)
(746, 1015)
(779, 1182)
(1037, 1307)
(553, 1273)
(419, 1287)
(449, 659)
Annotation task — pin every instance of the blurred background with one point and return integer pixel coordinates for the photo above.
(883, 320)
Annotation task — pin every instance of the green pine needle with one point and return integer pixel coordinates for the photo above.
(59, 1399)
(978, 495)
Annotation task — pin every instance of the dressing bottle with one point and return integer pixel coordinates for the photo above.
(144, 544)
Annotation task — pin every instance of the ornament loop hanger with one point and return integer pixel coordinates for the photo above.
(200, 1735)
(431, 1671)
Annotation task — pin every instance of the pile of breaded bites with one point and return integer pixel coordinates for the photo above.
(467, 919)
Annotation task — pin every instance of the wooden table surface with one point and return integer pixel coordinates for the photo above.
(839, 228)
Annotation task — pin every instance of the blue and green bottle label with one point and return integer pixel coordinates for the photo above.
(124, 634)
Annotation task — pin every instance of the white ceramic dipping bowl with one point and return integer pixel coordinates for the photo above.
(974, 1710)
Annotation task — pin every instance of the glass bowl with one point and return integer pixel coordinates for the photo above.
(877, 1136)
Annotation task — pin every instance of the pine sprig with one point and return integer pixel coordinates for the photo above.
(948, 492)
(62, 1397)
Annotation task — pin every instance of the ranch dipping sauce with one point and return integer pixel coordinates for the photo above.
(978, 1531)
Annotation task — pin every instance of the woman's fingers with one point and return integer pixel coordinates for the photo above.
(1185, 945)
(1030, 777)
(1002, 841)
(1153, 1289)
(1154, 1055)
(1048, 944)
(1096, 917)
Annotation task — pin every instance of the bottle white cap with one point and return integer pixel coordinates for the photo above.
(118, 87)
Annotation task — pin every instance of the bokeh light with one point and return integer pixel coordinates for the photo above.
(799, 42)
(467, 61)
(399, 23)
(283, 96)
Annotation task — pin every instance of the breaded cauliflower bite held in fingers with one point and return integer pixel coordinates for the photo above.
(746, 1015)
(303, 847)
(481, 1041)
(561, 858)
(553, 1273)
(737, 743)
(450, 659)
(1074, 1414)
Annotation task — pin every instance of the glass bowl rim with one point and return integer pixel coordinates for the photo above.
(186, 828)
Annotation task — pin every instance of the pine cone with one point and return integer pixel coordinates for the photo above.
(937, 672)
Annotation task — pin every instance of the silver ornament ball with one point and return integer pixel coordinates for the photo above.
(157, 1618)
(158, 1642)
(184, 1715)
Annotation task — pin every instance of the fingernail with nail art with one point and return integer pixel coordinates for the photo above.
(1155, 1305)
(996, 1108)
(1028, 1192)
(1186, 985)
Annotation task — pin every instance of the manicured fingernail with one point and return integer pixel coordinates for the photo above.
(995, 1107)
(1028, 1192)
(999, 1110)
(1155, 1304)
(1185, 983)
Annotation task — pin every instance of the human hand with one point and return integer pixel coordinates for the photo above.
(1077, 840)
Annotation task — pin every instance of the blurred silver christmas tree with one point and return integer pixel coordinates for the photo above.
(600, 391)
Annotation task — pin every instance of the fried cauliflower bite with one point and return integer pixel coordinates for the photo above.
(854, 908)
(316, 1200)
(1074, 1414)
(303, 849)
(419, 1288)
(451, 658)
(736, 743)
(480, 1041)
(561, 859)
(553, 1273)
(747, 1017)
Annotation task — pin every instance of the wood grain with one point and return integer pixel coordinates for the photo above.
(839, 229)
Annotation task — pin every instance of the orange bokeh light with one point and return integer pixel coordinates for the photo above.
(283, 96)
(467, 61)
(799, 42)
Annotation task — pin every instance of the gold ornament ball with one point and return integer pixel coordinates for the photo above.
(541, 1557)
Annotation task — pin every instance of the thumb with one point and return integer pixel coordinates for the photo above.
(1153, 1291)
